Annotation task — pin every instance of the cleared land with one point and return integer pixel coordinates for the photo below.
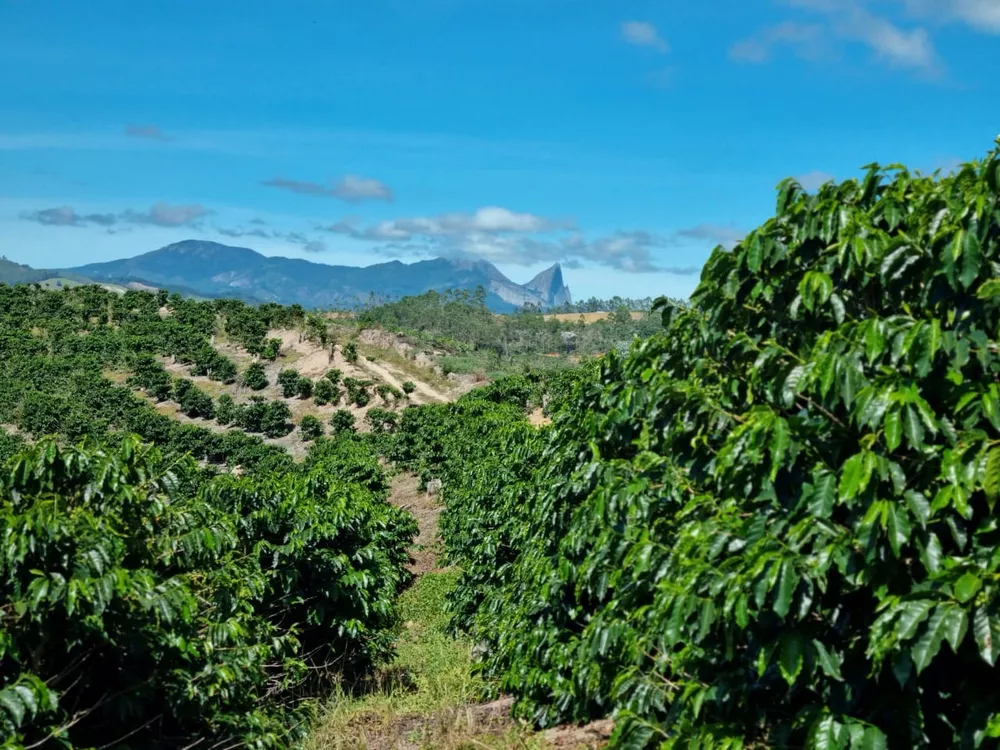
(588, 318)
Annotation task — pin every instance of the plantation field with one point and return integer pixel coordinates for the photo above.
(764, 517)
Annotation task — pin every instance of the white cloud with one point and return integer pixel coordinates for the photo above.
(643, 34)
(507, 237)
(489, 219)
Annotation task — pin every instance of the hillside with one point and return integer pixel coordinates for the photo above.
(215, 270)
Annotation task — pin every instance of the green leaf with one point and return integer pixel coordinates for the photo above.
(919, 505)
(912, 613)
(791, 388)
(948, 621)
(991, 474)
(827, 734)
(956, 623)
(839, 312)
(986, 628)
(972, 260)
(793, 647)
(967, 587)
(824, 495)
(828, 661)
(872, 739)
(913, 427)
(893, 429)
(786, 588)
(930, 553)
(780, 441)
(754, 253)
(11, 701)
(897, 526)
(989, 289)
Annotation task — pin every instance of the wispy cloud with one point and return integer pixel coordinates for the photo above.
(643, 34)
(720, 234)
(166, 215)
(981, 15)
(844, 22)
(152, 132)
(806, 41)
(160, 214)
(296, 238)
(66, 216)
(814, 180)
(350, 188)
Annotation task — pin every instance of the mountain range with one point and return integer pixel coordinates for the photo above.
(211, 269)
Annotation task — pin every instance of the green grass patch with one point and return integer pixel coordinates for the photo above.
(422, 696)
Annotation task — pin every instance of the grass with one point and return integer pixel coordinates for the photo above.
(427, 697)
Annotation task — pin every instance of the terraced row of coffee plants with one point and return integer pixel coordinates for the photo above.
(148, 600)
(149, 603)
(774, 523)
(58, 346)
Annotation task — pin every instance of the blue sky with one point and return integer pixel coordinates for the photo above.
(622, 139)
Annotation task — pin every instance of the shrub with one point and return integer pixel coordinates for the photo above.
(342, 421)
(409, 387)
(207, 361)
(226, 411)
(288, 379)
(381, 420)
(334, 376)
(150, 375)
(304, 388)
(146, 579)
(350, 350)
(357, 391)
(276, 419)
(272, 347)
(193, 401)
(255, 377)
(310, 427)
(771, 525)
(326, 392)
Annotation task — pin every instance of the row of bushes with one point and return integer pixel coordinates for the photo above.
(772, 525)
(152, 605)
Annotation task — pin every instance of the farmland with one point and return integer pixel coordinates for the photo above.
(762, 517)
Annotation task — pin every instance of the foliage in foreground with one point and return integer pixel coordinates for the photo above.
(148, 605)
(773, 524)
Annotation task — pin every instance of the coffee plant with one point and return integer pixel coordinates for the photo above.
(147, 604)
(255, 377)
(773, 524)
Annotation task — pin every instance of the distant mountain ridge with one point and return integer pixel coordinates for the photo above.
(212, 269)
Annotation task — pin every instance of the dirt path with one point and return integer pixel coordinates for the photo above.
(465, 725)
(424, 394)
(404, 492)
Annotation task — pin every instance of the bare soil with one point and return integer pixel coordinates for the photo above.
(588, 318)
